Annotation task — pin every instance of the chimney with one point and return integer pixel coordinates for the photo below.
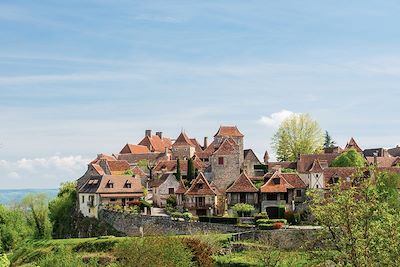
(205, 142)
(376, 159)
(147, 133)
(159, 134)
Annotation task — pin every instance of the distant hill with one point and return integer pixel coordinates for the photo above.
(10, 196)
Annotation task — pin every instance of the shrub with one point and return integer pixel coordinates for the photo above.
(200, 251)
(171, 201)
(292, 217)
(261, 215)
(144, 203)
(266, 226)
(281, 212)
(4, 261)
(278, 225)
(223, 220)
(243, 209)
(187, 216)
(153, 251)
(176, 214)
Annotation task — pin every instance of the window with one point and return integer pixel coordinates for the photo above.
(83, 199)
(110, 184)
(221, 161)
(298, 193)
(113, 199)
(272, 196)
(317, 186)
(276, 181)
(127, 185)
(171, 191)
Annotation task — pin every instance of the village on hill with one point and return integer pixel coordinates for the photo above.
(209, 179)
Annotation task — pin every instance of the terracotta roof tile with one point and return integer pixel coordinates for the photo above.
(196, 144)
(170, 165)
(306, 161)
(385, 162)
(316, 167)
(98, 169)
(227, 148)
(294, 179)
(134, 158)
(200, 186)
(98, 184)
(229, 131)
(103, 156)
(134, 149)
(242, 185)
(138, 171)
(353, 144)
(183, 140)
(277, 184)
(155, 143)
(118, 165)
(181, 188)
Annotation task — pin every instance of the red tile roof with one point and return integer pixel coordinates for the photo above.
(316, 167)
(385, 162)
(227, 147)
(229, 131)
(353, 144)
(155, 143)
(341, 173)
(281, 187)
(181, 188)
(103, 156)
(97, 168)
(197, 146)
(98, 184)
(294, 179)
(170, 165)
(242, 185)
(183, 140)
(118, 165)
(306, 161)
(282, 165)
(200, 186)
(134, 149)
(138, 171)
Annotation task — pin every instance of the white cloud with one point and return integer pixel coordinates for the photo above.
(47, 172)
(276, 118)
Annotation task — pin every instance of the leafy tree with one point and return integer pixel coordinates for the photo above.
(349, 158)
(298, 134)
(14, 228)
(128, 173)
(360, 223)
(62, 210)
(190, 170)
(37, 212)
(329, 143)
(178, 170)
(243, 208)
(4, 261)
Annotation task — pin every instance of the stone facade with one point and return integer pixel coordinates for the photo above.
(226, 173)
(164, 190)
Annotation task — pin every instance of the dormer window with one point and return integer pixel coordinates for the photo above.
(199, 186)
(110, 184)
(335, 179)
(127, 185)
(276, 181)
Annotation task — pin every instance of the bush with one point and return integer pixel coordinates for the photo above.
(266, 226)
(223, 220)
(171, 201)
(153, 251)
(144, 203)
(243, 209)
(261, 215)
(281, 212)
(292, 218)
(4, 261)
(176, 214)
(278, 225)
(200, 251)
(187, 216)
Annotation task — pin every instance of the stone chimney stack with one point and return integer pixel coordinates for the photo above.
(376, 159)
(159, 134)
(205, 142)
(147, 133)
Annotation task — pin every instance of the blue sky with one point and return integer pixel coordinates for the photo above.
(82, 77)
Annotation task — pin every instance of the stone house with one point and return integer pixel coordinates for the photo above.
(183, 148)
(180, 195)
(282, 189)
(201, 199)
(162, 188)
(251, 164)
(170, 166)
(242, 191)
(108, 189)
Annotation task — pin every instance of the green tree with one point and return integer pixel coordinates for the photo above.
(190, 170)
(329, 143)
(178, 170)
(62, 210)
(4, 261)
(349, 158)
(360, 223)
(37, 212)
(298, 134)
(243, 209)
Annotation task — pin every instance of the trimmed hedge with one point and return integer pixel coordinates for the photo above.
(223, 220)
(261, 215)
(270, 221)
(266, 226)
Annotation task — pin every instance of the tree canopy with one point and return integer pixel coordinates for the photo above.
(360, 223)
(329, 142)
(349, 158)
(298, 134)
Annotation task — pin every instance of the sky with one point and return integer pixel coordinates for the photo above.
(83, 77)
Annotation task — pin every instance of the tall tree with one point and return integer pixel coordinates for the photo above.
(190, 170)
(178, 170)
(329, 143)
(37, 212)
(298, 134)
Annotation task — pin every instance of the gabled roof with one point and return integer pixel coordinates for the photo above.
(294, 179)
(196, 144)
(134, 158)
(250, 155)
(394, 152)
(97, 168)
(282, 165)
(138, 171)
(118, 165)
(353, 144)
(181, 188)
(316, 167)
(242, 185)
(103, 156)
(306, 161)
(232, 131)
(98, 184)
(272, 187)
(183, 140)
(385, 162)
(208, 151)
(156, 182)
(155, 143)
(227, 148)
(340, 173)
(134, 149)
(200, 186)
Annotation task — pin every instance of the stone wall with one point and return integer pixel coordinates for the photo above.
(159, 225)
